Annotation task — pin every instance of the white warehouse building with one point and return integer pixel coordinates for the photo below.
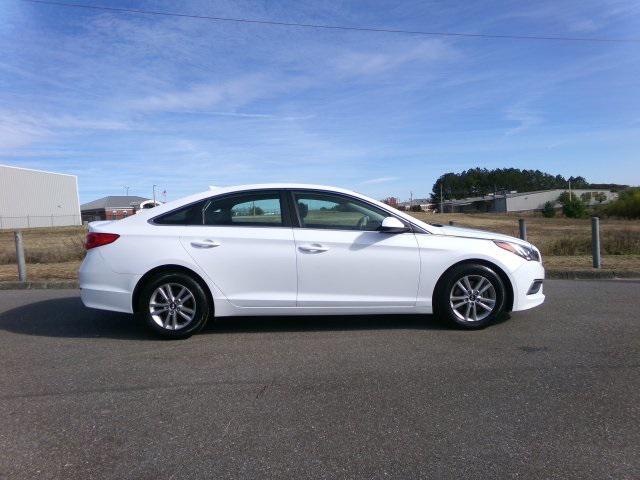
(507, 202)
(34, 198)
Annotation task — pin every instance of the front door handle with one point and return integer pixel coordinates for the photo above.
(313, 248)
(204, 244)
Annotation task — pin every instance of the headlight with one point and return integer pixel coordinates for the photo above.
(523, 251)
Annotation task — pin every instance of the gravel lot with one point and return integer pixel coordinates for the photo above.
(551, 393)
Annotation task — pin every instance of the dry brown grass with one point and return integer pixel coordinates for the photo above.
(45, 245)
(55, 253)
(42, 271)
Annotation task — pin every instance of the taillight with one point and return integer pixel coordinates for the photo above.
(97, 239)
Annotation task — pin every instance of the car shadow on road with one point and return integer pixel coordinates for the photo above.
(67, 317)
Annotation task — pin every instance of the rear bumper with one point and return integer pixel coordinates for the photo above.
(524, 277)
(101, 287)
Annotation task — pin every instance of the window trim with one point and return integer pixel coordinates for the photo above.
(281, 194)
(298, 221)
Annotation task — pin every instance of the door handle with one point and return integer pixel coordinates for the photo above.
(313, 248)
(204, 244)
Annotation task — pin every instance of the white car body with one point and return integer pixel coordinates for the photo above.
(276, 271)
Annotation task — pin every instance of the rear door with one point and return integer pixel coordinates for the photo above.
(345, 261)
(244, 242)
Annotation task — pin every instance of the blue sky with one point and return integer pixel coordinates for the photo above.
(122, 99)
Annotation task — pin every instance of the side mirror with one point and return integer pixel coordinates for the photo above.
(393, 225)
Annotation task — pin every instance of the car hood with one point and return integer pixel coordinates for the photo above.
(473, 233)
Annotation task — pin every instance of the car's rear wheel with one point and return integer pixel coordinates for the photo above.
(174, 305)
(470, 296)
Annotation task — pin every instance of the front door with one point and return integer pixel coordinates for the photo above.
(345, 261)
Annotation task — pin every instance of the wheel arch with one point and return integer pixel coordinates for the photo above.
(168, 269)
(496, 268)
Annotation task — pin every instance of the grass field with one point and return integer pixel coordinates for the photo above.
(55, 253)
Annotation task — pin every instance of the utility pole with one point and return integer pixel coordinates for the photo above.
(126, 190)
(570, 195)
(154, 195)
(441, 202)
(410, 200)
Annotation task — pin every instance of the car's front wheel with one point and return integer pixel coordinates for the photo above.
(174, 305)
(470, 296)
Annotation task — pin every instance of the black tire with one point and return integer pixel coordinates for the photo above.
(199, 303)
(449, 289)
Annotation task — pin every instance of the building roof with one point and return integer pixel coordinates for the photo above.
(416, 201)
(113, 202)
(34, 170)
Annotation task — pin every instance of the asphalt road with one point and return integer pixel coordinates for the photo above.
(550, 393)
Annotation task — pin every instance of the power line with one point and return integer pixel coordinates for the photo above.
(337, 27)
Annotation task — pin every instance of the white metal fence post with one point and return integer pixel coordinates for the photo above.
(522, 224)
(22, 268)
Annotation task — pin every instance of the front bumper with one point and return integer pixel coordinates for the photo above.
(523, 279)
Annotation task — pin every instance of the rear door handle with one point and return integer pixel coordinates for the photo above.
(313, 248)
(205, 244)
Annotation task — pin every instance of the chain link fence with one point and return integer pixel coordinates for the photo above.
(39, 221)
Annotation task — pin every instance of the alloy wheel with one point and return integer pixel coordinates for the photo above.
(472, 298)
(172, 306)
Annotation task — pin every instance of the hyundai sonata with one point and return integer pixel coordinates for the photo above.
(290, 249)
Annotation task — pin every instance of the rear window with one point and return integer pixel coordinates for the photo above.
(252, 209)
(189, 215)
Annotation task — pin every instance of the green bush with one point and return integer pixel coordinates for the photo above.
(572, 206)
(600, 197)
(549, 210)
(627, 205)
(416, 208)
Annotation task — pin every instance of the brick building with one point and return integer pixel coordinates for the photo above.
(113, 207)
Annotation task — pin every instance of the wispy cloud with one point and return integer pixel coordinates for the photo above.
(375, 62)
(523, 118)
(19, 129)
(231, 93)
(379, 180)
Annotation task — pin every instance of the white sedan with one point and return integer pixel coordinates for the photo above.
(291, 249)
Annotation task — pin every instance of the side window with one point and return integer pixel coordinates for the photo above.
(261, 209)
(328, 211)
(189, 215)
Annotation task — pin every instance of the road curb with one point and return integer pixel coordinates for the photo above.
(44, 285)
(590, 274)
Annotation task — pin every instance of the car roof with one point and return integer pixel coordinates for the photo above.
(267, 186)
(144, 215)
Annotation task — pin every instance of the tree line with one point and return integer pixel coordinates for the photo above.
(481, 181)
